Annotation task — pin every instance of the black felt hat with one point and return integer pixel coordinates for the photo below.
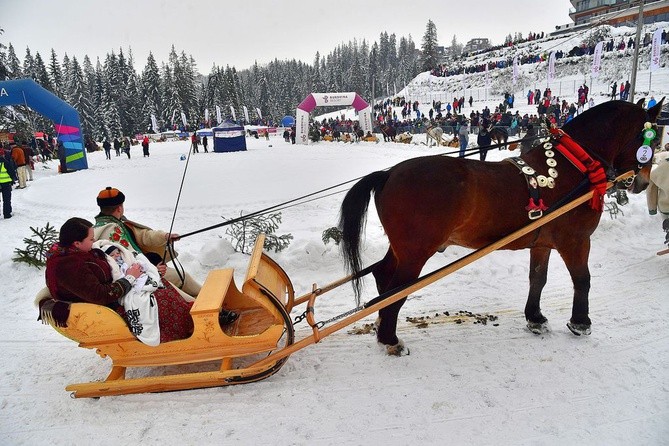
(110, 197)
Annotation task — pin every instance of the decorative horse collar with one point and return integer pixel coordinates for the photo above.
(571, 150)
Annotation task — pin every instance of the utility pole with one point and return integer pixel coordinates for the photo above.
(635, 59)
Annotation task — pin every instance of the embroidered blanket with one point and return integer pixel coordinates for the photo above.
(140, 305)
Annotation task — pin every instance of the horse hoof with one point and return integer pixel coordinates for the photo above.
(538, 328)
(397, 349)
(579, 329)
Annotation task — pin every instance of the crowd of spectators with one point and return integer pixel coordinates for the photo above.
(452, 69)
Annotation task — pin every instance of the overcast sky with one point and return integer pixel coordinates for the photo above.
(237, 33)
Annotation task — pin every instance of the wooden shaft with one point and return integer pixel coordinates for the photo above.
(322, 290)
(430, 278)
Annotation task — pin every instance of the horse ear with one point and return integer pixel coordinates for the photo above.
(640, 102)
(655, 110)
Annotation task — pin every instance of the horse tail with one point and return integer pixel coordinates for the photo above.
(352, 219)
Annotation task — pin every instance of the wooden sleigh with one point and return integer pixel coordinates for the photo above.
(263, 326)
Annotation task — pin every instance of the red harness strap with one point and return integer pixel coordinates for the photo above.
(583, 162)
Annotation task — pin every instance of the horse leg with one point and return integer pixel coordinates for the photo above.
(536, 322)
(384, 270)
(389, 274)
(575, 256)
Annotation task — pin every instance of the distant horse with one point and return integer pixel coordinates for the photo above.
(531, 138)
(428, 203)
(359, 134)
(389, 133)
(499, 135)
(404, 137)
(336, 135)
(433, 133)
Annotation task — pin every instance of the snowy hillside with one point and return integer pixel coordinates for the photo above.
(571, 72)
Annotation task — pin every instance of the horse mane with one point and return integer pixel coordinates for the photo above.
(599, 123)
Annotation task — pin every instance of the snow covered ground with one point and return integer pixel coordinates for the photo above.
(462, 383)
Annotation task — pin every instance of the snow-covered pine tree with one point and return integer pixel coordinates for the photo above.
(109, 111)
(29, 65)
(13, 64)
(429, 58)
(170, 98)
(80, 98)
(55, 74)
(40, 73)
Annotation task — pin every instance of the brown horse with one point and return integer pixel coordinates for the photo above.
(499, 135)
(429, 203)
(389, 133)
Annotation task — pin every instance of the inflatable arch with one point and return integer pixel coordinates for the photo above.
(65, 117)
(330, 99)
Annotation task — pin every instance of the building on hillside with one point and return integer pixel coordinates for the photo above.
(446, 54)
(617, 12)
(477, 44)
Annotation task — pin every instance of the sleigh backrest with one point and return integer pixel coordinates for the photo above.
(265, 276)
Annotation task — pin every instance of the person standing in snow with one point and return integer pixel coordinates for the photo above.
(194, 142)
(107, 148)
(7, 178)
(145, 145)
(463, 135)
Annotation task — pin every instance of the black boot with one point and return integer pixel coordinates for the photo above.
(226, 317)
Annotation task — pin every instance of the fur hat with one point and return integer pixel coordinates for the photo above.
(110, 197)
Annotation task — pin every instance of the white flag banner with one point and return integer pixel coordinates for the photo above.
(259, 113)
(232, 112)
(515, 70)
(154, 124)
(218, 115)
(597, 59)
(655, 50)
(551, 66)
(206, 115)
(246, 114)
(183, 119)
(173, 115)
(487, 79)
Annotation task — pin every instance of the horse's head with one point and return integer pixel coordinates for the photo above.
(616, 134)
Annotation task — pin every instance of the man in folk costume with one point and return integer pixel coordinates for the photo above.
(111, 224)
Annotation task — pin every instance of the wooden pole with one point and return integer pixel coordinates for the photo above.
(635, 59)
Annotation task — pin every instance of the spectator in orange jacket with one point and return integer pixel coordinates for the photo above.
(19, 158)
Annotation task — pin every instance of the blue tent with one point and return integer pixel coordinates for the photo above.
(287, 121)
(65, 118)
(229, 137)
